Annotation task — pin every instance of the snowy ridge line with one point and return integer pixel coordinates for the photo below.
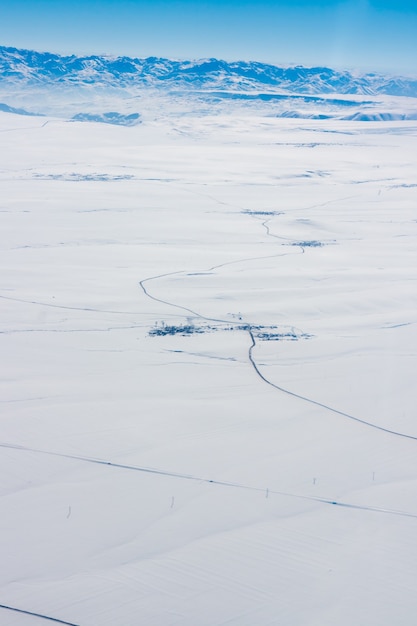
(202, 480)
(45, 617)
(316, 402)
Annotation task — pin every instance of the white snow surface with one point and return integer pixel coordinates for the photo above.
(239, 480)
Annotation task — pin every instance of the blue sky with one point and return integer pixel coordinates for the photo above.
(363, 34)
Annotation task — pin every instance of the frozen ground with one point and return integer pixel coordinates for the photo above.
(208, 350)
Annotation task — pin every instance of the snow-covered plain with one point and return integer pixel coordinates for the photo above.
(257, 468)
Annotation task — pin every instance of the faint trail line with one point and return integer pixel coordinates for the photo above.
(315, 402)
(46, 617)
(14, 331)
(209, 269)
(214, 267)
(203, 480)
(210, 197)
(71, 308)
(14, 130)
(268, 232)
(177, 306)
(249, 259)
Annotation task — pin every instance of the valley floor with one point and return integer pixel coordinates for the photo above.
(208, 350)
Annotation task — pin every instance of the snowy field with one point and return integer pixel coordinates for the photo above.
(208, 350)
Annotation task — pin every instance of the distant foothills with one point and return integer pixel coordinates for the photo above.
(22, 68)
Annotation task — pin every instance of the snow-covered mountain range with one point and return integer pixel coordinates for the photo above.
(26, 67)
(127, 91)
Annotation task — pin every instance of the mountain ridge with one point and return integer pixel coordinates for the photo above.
(22, 67)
